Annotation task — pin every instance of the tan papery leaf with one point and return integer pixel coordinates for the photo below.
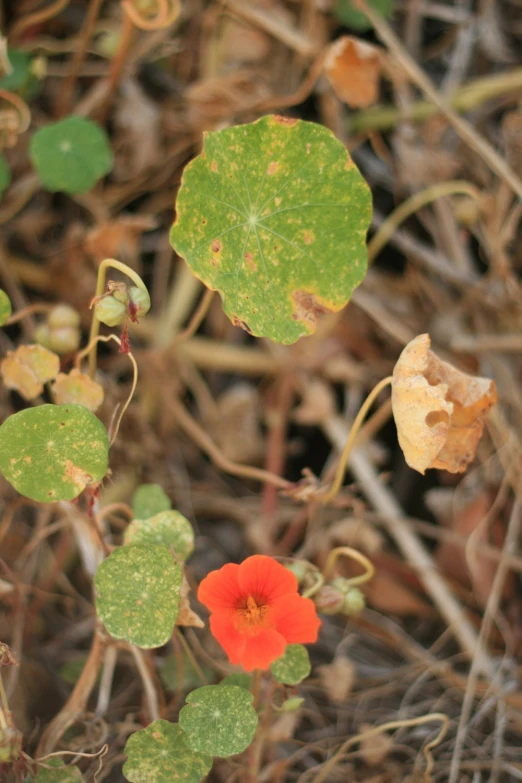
(353, 68)
(439, 411)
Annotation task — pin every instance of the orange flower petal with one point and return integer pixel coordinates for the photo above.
(296, 619)
(219, 591)
(262, 650)
(233, 642)
(264, 578)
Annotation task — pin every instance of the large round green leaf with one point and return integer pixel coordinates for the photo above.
(148, 500)
(274, 216)
(71, 155)
(158, 754)
(219, 720)
(138, 594)
(293, 666)
(168, 528)
(53, 452)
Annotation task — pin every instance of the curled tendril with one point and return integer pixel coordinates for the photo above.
(353, 554)
(14, 120)
(164, 18)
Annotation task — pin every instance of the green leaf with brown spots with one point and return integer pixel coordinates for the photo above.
(138, 594)
(293, 666)
(53, 452)
(274, 216)
(158, 754)
(168, 528)
(219, 720)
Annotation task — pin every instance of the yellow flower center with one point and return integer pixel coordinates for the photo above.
(251, 617)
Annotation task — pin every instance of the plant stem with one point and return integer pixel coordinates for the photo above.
(100, 286)
(341, 468)
(467, 97)
(197, 317)
(83, 41)
(347, 551)
(412, 205)
(117, 65)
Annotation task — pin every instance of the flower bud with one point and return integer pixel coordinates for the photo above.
(329, 599)
(109, 311)
(299, 568)
(354, 602)
(64, 340)
(139, 303)
(42, 335)
(63, 316)
(10, 744)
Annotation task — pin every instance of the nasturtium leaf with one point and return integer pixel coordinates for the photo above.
(71, 155)
(22, 78)
(138, 594)
(219, 720)
(274, 215)
(55, 771)
(5, 307)
(149, 500)
(293, 666)
(5, 174)
(79, 388)
(158, 754)
(350, 16)
(240, 679)
(52, 452)
(168, 528)
(179, 673)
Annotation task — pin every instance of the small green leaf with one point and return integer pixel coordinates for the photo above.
(22, 78)
(175, 676)
(149, 500)
(292, 705)
(53, 452)
(168, 528)
(158, 754)
(71, 155)
(5, 174)
(350, 16)
(237, 678)
(274, 216)
(219, 720)
(293, 666)
(138, 594)
(5, 307)
(59, 772)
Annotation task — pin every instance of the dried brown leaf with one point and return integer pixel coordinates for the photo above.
(28, 368)
(78, 388)
(374, 749)
(353, 68)
(439, 411)
(337, 678)
(186, 615)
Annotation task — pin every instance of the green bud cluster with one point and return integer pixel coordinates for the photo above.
(121, 302)
(340, 597)
(61, 333)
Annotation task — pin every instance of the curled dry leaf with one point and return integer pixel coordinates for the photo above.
(77, 387)
(337, 678)
(353, 68)
(375, 748)
(28, 368)
(439, 411)
(186, 615)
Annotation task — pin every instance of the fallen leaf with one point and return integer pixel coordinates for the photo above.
(353, 68)
(439, 411)
(28, 368)
(375, 748)
(79, 388)
(388, 594)
(284, 727)
(186, 615)
(337, 678)
(119, 238)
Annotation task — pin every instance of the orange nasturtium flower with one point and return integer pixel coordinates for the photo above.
(256, 611)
